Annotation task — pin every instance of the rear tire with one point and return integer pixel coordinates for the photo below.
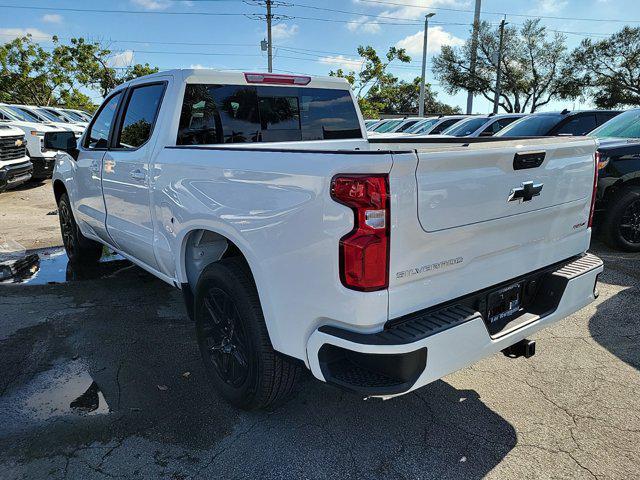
(621, 227)
(234, 342)
(80, 250)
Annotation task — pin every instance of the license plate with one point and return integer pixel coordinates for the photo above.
(504, 303)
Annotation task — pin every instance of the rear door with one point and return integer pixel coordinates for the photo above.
(125, 176)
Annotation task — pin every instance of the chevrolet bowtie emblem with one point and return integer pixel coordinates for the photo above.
(526, 192)
(18, 142)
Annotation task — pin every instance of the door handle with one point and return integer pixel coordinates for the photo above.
(138, 175)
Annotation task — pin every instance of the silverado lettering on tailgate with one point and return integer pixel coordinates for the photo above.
(427, 268)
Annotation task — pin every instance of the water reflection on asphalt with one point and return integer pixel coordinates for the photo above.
(65, 389)
(48, 266)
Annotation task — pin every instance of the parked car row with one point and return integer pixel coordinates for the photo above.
(31, 123)
(505, 125)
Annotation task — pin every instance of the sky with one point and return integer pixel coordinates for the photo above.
(311, 37)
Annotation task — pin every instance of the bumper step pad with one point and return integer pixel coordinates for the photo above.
(410, 328)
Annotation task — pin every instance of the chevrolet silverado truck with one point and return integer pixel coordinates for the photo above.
(299, 243)
(15, 166)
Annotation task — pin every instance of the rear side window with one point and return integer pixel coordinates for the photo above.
(235, 114)
(578, 125)
(98, 134)
(139, 116)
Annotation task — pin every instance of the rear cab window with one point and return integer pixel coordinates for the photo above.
(214, 114)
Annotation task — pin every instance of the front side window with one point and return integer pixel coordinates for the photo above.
(98, 134)
(578, 125)
(443, 126)
(214, 114)
(140, 116)
(537, 125)
(466, 127)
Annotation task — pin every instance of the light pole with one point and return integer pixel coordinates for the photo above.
(496, 99)
(424, 62)
(474, 54)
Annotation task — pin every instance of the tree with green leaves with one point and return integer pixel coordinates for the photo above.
(535, 69)
(379, 91)
(611, 68)
(32, 75)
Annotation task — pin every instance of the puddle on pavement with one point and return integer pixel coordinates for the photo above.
(42, 267)
(66, 389)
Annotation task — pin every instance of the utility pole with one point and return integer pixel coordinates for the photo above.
(496, 99)
(474, 53)
(269, 44)
(424, 63)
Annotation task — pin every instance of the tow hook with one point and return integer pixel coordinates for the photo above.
(524, 348)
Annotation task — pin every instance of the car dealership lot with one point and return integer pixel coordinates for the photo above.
(102, 378)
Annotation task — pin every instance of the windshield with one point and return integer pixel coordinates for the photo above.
(385, 127)
(422, 126)
(625, 125)
(48, 115)
(73, 116)
(20, 114)
(466, 127)
(531, 126)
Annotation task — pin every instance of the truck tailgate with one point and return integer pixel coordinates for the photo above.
(468, 217)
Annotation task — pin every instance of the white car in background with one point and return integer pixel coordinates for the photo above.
(428, 126)
(86, 116)
(482, 125)
(46, 118)
(66, 116)
(34, 131)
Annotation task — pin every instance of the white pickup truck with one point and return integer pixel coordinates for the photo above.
(297, 242)
(15, 166)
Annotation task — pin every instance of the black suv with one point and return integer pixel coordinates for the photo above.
(618, 198)
(551, 124)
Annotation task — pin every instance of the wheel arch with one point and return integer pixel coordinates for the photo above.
(202, 246)
(59, 188)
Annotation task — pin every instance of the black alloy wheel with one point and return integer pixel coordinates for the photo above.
(226, 342)
(630, 223)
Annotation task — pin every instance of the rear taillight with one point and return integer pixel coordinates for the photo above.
(597, 160)
(276, 79)
(364, 252)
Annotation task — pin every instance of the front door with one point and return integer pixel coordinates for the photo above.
(89, 208)
(125, 174)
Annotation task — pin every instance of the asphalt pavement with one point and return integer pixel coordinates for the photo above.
(101, 378)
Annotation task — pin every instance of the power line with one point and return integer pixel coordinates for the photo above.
(550, 17)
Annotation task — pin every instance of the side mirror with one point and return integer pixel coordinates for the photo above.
(64, 141)
(486, 133)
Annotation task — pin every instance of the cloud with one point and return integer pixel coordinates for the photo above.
(122, 59)
(8, 34)
(343, 62)
(415, 9)
(363, 24)
(152, 4)
(52, 18)
(282, 31)
(546, 7)
(437, 38)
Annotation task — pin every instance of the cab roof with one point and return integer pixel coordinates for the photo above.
(233, 77)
